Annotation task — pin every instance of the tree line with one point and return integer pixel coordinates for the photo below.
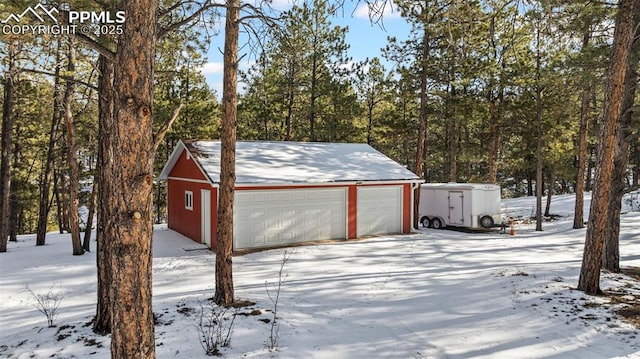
(530, 95)
(479, 103)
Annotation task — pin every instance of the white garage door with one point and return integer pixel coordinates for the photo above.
(379, 210)
(272, 217)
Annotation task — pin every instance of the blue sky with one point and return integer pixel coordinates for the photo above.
(365, 39)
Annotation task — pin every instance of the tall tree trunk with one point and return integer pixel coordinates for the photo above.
(86, 241)
(635, 153)
(313, 97)
(74, 176)
(589, 280)
(453, 151)
(130, 204)
(588, 183)
(14, 205)
(290, 100)
(422, 129)
(64, 197)
(56, 196)
(578, 218)
(14, 213)
(539, 136)
(224, 294)
(494, 138)
(452, 125)
(102, 322)
(45, 183)
(5, 157)
(551, 180)
(370, 106)
(495, 115)
(159, 202)
(611, 255)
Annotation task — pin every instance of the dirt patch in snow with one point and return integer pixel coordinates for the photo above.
(632, 272)
(627, 296)
(631, 314)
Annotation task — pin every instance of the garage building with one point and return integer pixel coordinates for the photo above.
(289, 192)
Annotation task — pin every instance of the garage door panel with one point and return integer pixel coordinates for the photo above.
(271, 217)
(379, 210)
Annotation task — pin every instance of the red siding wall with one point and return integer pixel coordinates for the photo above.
(407, 204)
(182, 220)
(185, 221)
(186, 168)
(352, 212)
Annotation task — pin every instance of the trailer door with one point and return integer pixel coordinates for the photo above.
(456, 211)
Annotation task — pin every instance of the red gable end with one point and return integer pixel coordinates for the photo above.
(186, 167)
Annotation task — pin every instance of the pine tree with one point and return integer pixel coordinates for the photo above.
(224, 293)
(372, 88)
(611, 255)
(300, 89)
(72, 148)
(589, 280)
(45, 181)
(7, 131)
(102, 320)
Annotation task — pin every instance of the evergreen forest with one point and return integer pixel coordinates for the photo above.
(500, 75)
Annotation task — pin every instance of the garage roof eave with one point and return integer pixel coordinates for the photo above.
(331, 183)
(173, 158)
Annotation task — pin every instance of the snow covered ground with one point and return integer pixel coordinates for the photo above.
(433, 294)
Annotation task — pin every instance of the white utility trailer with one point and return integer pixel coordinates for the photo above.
(469, 205)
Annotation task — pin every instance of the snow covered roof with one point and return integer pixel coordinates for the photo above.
(457, 185)
(295, 162)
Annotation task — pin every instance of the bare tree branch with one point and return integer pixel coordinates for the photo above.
(163, 12)
(257, 13)
(159, 136)
(64, 77)
(103, 50)
(206, 6)
(91, 42)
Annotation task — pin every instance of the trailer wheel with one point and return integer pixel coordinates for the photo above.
(436, 223)
(486, 222)
(425, 222)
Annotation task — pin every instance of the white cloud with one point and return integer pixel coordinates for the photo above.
(212, 68)
(216, 68)
(387, 7)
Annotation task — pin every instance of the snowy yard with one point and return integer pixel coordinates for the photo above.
(432, 294)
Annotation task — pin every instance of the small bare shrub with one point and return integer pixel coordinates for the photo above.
(215, 327)
(274, 336)
(47, 303)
